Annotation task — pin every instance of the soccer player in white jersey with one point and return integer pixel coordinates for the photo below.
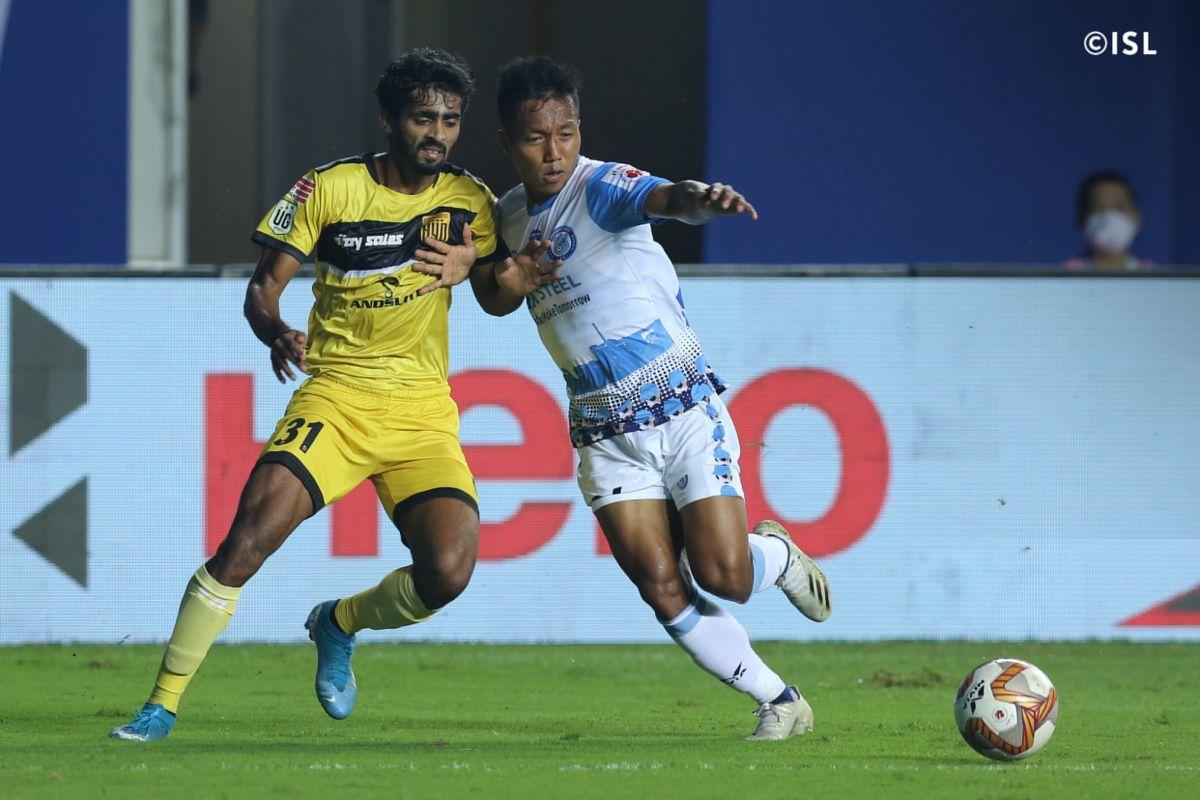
(658, 453)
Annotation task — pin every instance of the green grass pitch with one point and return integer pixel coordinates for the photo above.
(547, 722)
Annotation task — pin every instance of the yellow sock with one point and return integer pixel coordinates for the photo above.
(394, 603)
(204, 612)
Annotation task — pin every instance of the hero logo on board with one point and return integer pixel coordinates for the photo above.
(545, 454)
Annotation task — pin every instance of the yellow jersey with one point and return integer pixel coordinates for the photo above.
(367, 326)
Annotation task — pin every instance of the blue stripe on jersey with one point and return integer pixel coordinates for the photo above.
(616, 201)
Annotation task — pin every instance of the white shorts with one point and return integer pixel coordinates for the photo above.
(689, 458)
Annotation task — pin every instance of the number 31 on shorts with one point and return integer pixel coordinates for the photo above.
(293, 430)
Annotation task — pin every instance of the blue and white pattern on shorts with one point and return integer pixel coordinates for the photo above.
(693, 458)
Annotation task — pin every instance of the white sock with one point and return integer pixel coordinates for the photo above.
(770, 557)
(719, 644)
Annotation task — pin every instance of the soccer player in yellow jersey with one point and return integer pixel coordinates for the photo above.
(390, 233)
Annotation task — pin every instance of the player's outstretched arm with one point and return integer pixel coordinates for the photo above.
(696, 203)
(275, 268)
(501, 287)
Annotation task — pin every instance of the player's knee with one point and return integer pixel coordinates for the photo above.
(663, 593)
(254, 535)
(445, 576)
(726, 578)
(236, 560)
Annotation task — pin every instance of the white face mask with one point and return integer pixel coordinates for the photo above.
(1110, 231)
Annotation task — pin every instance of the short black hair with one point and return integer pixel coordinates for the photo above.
(534, 78)
(1083, 195)
(419, 72)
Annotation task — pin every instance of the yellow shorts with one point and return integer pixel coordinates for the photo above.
(334, 436)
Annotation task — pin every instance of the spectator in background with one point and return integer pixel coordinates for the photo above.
(1107, 214)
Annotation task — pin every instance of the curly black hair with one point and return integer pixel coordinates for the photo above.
(534, 78)
(1083, 195)
(417, 73)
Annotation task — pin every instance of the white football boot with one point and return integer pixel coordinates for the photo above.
(802, 581)
(783, 720)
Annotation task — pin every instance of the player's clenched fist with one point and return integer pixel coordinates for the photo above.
(288, 348)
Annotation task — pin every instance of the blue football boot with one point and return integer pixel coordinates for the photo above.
(336, 687)
(153, 722)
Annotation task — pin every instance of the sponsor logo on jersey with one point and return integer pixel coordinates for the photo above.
(282, 217)
(560, 285)
(562, 242)
(553, 311)
(623, 176)
(436, 226)
(387, 302)
(347, 242)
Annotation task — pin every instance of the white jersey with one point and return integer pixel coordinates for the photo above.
(613, 320)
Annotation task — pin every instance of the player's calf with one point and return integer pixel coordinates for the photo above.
(443, 534)
(726, 575)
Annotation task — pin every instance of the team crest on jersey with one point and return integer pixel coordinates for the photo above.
(282, 217)
(436, 226)
(562, 242)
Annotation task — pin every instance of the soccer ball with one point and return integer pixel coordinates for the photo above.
(1006, 709)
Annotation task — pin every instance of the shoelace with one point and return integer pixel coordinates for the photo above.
(767, 710)
(141, 723)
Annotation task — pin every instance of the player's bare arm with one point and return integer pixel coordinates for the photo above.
(501, 287)
(275, 268)
(697, 203)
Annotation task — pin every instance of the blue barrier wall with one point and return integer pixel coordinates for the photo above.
(937, 130)
(64, 131)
